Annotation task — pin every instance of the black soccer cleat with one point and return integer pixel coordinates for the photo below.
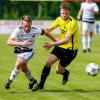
(7, 85)
(31, 84)
(89, 50)
(38, 87)
(65, 78)
(84, 51)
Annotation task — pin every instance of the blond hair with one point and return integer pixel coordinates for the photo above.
(65, 5)
(27, 18)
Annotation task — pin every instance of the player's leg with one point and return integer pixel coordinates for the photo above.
(26, 57)
(66, 58)
(84, 36)
(13, 74)
(61, 70)
(21, 64)
(90, 35)
(55, 54)
(45, 72)
(28, 75)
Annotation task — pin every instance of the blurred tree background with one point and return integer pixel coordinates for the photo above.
(39, 10)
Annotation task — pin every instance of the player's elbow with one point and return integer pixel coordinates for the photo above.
(46, 32)
(97, 13)
(65, 41)
(9, 42)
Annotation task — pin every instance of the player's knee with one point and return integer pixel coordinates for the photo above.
(20, 62)
(60, 70)
(24, 69)
(48, 64)
(57, 71)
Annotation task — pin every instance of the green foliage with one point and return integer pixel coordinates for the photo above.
(75, 8)
(18, 8)
(43, 10)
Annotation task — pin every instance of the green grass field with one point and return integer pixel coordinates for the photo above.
(79, 87)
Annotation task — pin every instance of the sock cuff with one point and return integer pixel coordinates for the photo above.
(28, 75)
(16, 70)
(64, 72)
(46, 69)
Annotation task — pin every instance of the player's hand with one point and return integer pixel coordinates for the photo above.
(26, 43)
(78, 18)
(48, 45)
(58, 39)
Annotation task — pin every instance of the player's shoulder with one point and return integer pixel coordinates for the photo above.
(83, 3)
(58, 18)
(35, 28)
(73, 19)
(20, 27)
(94, 3)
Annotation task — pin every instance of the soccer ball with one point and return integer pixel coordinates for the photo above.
(92, 69)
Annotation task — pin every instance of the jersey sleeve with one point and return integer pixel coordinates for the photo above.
(39, 31)
(55, 24)
(81, 7)
(96, 9)
(15, 33)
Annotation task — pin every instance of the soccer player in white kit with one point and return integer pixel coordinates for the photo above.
(23, 38)
(88, 9)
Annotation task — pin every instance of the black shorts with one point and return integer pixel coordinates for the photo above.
(65, 56)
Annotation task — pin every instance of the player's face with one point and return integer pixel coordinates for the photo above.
(26, 26)
(64, 14)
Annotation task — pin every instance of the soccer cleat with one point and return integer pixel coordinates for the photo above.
(37, 87)
(84, 50)
(7, 85)
(89, 50)
(32, 83)
(65, 78)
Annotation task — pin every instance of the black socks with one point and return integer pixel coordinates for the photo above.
(44, 75)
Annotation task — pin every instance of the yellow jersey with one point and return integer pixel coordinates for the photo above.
(69, 26)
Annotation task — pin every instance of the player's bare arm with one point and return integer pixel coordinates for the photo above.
(96, 13)
(60, 42)
(47, 32)
(79, 15)
(13, 42)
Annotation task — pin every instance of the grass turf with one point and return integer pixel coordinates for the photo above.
(79, 87)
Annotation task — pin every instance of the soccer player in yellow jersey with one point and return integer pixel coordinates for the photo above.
(65, 49)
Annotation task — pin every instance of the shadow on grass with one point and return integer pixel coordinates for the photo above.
(73, 90)
(15, 92)
(55, 91)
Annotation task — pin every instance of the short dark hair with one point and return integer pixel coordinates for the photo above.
(27, 18)
(65, 5)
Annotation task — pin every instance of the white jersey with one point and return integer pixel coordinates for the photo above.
(88, 10)
(21, 35)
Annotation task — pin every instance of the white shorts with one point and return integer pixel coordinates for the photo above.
(26, 55)
(88, 27)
